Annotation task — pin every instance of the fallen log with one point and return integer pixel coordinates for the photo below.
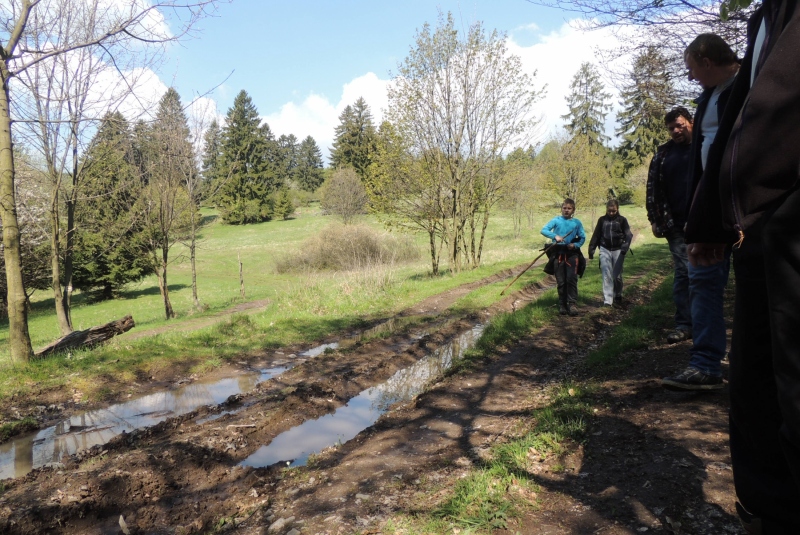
(89, 337)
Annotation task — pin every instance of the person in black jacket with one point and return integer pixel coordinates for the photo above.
(749, 196)
(613, 235)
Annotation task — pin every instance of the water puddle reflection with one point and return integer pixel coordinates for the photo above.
(296, 445)
(80, 432)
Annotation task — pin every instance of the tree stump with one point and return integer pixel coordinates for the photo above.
(89, 337)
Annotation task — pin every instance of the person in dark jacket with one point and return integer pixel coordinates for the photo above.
(613, 235)
(713, 64)
(748, 196)
(667, 201)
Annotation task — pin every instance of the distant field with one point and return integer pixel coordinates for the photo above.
(303, 307)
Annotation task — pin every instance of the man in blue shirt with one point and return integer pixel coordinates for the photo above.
(568, 235)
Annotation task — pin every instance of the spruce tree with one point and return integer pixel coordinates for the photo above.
(646, 97)
(355, 139)
(106, 253)
(246, 174)
(588, 105)
(212, 155)
(308, 174)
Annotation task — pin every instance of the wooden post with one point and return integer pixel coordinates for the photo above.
(241, 275)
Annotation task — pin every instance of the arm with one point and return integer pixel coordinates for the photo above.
(547, 229)
(579, 237)
(595, 241)
(626, 229)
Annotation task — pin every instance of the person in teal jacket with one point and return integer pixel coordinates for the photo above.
(568, 235)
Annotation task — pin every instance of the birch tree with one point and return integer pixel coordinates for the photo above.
(122, 27)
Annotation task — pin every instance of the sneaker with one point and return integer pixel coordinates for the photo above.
(618, 301)
(678, 336)
(692, 379)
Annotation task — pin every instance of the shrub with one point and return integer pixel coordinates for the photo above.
(344, 194)
(349, 247)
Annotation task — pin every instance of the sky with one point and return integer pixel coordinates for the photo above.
(303, 61)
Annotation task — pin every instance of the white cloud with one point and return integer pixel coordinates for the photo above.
(556, 58)
(317, 116)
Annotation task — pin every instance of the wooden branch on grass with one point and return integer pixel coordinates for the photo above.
(89, 337)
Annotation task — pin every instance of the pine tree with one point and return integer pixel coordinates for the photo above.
(646, 97)
(287, 157)
(106, 255)
(588, 105)
(247, 169)
(308, 174)
(212, 154)
(355, 139)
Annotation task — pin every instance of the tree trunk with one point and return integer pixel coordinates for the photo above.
(192, 249)
(162, 284)
(55, 266)
(18, 336)
(89, 337)
(434, 256)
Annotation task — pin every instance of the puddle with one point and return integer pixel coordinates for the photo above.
(52, 445)
(293, 447)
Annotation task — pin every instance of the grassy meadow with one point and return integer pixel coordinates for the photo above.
(303, 307)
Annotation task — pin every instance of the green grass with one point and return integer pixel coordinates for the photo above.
(302, 307)
(504, 484)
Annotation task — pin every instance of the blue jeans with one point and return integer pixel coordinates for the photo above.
(706, 291)
(680, 285)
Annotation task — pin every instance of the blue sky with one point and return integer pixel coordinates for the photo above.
(302, 62)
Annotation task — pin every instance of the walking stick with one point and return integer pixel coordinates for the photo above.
(529, 267)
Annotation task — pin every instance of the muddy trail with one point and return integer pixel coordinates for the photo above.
(399, 433)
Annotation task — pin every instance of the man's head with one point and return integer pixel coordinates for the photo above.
(709, 60)
(679, 124)
(568, 208)
(612, 208)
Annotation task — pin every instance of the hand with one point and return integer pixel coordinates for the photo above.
(656, 231)
(559, 239)
(705, 254)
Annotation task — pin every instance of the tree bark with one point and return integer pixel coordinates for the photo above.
(89, 337)
(55, 266)
(18, 336)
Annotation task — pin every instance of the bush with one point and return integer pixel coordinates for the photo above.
(349, 247)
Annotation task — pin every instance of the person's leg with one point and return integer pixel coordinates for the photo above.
(561, 283)
(706, 292)
(680, 285)
(619, 260)
(761, 472)
(607, 269)
(781, 242)
(572, 282)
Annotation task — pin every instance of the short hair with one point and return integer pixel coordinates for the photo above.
(713, 47)
(612, 202)
(568, 201)
(674, 113)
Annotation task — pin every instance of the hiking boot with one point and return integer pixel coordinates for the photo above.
(572, 311)
(562, 309)
(692, 379)
(678, 336)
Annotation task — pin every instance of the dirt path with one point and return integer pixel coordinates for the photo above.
(654, 461)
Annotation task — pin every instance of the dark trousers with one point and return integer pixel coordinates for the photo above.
(566, 272)
(765, 370)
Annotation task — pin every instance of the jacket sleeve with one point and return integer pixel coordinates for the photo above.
(626, 229)
(547, 229)
(580, 235)
(651, 203)
(595, 241)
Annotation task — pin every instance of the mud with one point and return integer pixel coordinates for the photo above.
(655, 461)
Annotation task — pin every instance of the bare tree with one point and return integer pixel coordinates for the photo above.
(344, 194)
(124, 27)
(459, 102)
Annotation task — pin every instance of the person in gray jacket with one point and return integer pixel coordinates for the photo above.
(613, 235)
